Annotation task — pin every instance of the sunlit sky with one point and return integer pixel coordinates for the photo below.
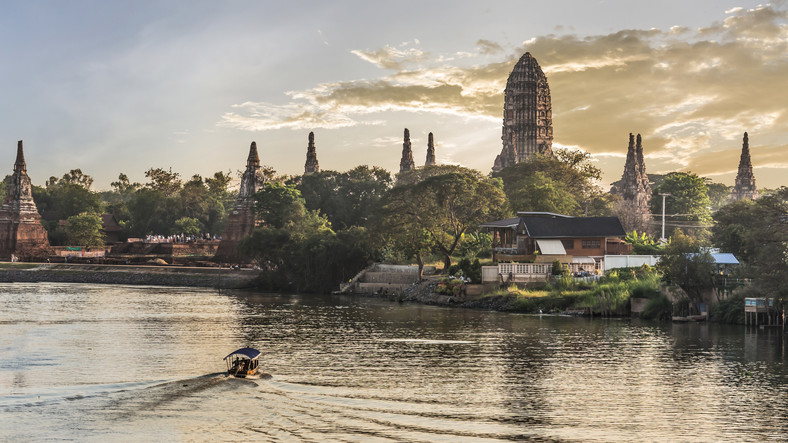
(111, 87)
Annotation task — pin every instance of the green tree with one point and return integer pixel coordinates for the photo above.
(687, 264)
(446, 205)
(188, 226)
(756, 232)
(688, 205)
(539, 192)
(346, 198)
(569, 173)
(84, 229)
(719, 194)
(296, 248)
(642, 244)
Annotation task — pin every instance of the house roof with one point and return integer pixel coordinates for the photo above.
(724, 258)
(548, 225)
(554, 227)
(507, 223)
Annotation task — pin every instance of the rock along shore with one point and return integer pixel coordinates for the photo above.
(222, 278)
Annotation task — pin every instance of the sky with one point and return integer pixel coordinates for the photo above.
(121, 87)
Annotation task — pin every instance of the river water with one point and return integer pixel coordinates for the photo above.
(123, 363)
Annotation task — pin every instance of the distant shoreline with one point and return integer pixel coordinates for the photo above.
(221, 278)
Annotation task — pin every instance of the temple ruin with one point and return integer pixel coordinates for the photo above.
(22, 236)
(634, 189)
(745, 180)
(407, 163)
(311, 166)
(242, 218)
(527, 115)
(430, 152)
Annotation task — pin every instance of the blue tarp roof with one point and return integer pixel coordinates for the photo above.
(250, 353)
(724, 258)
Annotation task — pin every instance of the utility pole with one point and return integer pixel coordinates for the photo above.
(663, 216)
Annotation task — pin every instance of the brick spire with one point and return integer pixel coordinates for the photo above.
(311, 166)
(430, 152)
(745, 179)
(407, 163)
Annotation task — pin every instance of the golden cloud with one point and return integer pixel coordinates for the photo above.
(690, 93)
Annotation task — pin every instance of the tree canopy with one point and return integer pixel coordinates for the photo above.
(565, 183)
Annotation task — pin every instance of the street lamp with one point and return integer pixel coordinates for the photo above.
(663, 216)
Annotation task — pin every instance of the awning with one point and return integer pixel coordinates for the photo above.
(551, 247)
(582, 260)
(250, 353)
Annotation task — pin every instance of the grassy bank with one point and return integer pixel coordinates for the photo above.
(609, 295)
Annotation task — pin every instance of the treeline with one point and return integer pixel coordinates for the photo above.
(165, 205)
(320, 229)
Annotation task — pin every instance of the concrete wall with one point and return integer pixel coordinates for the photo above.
(629, 261)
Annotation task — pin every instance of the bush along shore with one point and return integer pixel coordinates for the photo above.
(608, 296)
(222, 278)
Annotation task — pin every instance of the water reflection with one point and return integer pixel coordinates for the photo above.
(128, 360)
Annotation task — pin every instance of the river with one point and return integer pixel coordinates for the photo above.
(130, 363)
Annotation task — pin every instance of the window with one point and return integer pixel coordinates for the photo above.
(569, 244)
(591, 244)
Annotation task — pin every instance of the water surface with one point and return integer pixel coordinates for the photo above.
(92, 362)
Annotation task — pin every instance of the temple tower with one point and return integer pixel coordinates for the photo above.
(242, 218)
(634, 190)
(311, 165)
(406, 163)
(527, 115)
(21, 233)
(430, 152)
(745, 180)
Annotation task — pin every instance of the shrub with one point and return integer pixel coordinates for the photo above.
(658, 308)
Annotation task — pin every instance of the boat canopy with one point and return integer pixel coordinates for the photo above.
(250, 353)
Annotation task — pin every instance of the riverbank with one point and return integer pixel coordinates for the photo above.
(223, 278)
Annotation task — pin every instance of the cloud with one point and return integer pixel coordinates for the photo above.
(488, 47)
(690, 93)
(389, 57)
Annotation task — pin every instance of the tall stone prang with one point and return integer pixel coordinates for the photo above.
(407, 163)
(745, 180)
(527, 115)
(311, 166)
(635, 190)
(242, 218)
(21, 233)
(430, 152)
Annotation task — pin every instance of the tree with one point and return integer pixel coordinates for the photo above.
(84, 229)
(719, 194)
(756, 232)
(345, 198)
(63, 198)
(542, 194)
(569, 173)
(687, 264)
(448, 204)
(642, 244)
(166, 182)
(296, 248)
(188, 226)
(688, 205)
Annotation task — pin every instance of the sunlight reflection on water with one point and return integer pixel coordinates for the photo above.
(88, 363)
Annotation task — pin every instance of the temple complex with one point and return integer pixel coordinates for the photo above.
(407, 163)
(242, 218)
(311, 165)
(22, 236)
(745, 180)
(430, 152)
(634, 189)
(527, 115)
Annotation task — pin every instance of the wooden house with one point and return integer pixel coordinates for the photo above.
(541, 237)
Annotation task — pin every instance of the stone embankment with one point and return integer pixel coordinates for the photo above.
(223, 278)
